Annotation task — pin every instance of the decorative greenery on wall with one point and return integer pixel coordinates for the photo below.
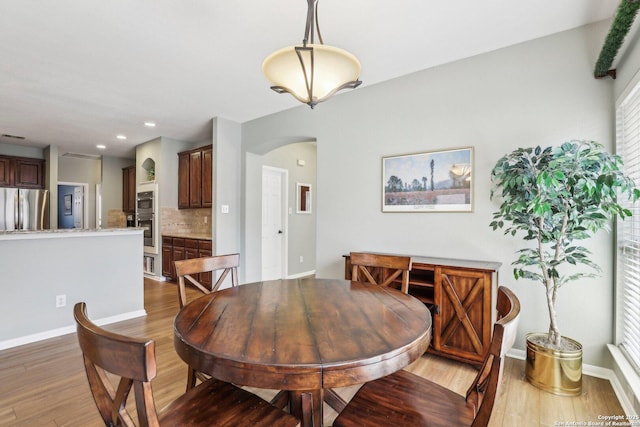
(619, 28)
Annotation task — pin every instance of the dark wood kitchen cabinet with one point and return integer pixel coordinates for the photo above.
(5, 172)
(183, 180)
(21, 172)
(178, 248)
(129, 189)
(177, 253)
(168, 270)
(195, 174)
(206, 181)
(460, 295)
(204, 249)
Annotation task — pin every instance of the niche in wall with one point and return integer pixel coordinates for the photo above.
(149, 165)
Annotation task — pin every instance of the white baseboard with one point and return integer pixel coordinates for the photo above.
(597, 372)
(299, 275)
(154, 277)
(28, 339)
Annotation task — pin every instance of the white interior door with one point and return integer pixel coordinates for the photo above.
(274, 202)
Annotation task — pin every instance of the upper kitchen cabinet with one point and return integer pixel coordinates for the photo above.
(21, 172)
(129, 189)
(195, 175)
(5, 172)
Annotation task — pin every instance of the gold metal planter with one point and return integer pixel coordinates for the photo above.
(556, 371)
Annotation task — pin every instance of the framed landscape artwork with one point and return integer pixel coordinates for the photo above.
(435, 181)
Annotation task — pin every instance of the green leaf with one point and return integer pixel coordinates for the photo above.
(578, 182)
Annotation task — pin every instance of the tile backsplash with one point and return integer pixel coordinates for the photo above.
(116, 219)
(185, 221)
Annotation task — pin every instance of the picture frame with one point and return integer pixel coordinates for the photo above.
(68, 198)
(431, 181)
(303, 196)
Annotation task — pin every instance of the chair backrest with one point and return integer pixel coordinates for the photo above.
(483, 390)
(131, 359)
(187, 269)
(380, 269)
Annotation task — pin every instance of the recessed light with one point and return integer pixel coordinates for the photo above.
(100, 146)
(150, 124)
(121, 137)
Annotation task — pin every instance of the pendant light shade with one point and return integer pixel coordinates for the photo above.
(311, 72)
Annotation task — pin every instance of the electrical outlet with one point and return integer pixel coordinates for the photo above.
(205, 219)
(301, 258)
(61, 301)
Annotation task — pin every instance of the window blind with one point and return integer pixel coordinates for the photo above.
(628, 230)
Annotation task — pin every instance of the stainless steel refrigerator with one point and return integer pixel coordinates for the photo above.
(23, 209)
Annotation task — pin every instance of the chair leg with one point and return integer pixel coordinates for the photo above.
(307, 406)
(280, 400)
(191, 378)
(307, 409)
(332, 398)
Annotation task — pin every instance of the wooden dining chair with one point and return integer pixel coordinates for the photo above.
(380, 269)
(133, 361)
(188, 269)
(377, 269)
(407, 399)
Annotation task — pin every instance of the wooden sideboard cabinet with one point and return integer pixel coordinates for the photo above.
(178, 248)
(195, 178)
(461, 296)
(21, 172)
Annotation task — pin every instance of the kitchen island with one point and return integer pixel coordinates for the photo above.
(44, 273)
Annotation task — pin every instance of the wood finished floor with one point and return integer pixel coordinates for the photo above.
(43, 384)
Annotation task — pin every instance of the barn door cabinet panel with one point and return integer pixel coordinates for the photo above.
(460, 295)
(21, 172)
(465, 314)
(195, 174)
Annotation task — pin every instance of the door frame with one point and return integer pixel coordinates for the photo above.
(284, 200)
(85, 200)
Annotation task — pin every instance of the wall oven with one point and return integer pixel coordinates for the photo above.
(146, 218)
(146, 223)
(144, 203)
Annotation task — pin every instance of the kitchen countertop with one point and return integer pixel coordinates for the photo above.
(67, 232)
(198, 236)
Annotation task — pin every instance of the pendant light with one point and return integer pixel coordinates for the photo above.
(311, 72)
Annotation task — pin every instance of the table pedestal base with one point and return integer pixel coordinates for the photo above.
(306, 405)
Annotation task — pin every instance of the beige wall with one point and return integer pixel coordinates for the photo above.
(538, 92)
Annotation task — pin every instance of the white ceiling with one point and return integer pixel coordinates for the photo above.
(75, 73)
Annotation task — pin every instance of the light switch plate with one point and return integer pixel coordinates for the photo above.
(225, 208)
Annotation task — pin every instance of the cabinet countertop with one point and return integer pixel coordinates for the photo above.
(197, 236)
(450, 262)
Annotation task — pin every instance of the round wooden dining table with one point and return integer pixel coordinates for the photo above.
(302, 336)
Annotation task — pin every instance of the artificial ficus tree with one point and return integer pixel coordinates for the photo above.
(555, 197)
